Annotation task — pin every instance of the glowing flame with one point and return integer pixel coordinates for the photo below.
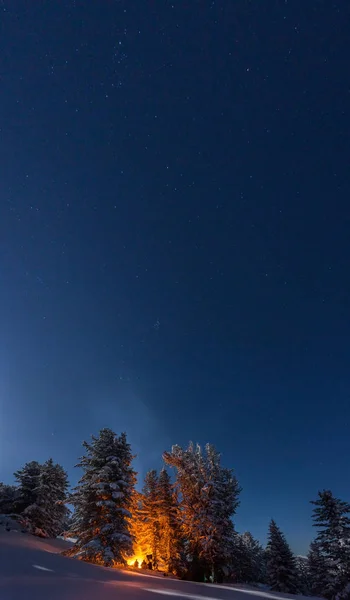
(131, 561)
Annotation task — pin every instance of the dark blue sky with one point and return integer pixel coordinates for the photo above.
(174, 238)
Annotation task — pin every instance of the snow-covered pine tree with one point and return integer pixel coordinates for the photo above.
(189, 483)
(148, 533)
(220, 494)
(317, 569)
(281, 565)
(344, 594)
(102, 501)
(27, 479)
(48, 513)
(8, 496)
(67, 524)
(140, 543)
(169, 525)
(332, 518)
(251, 564)
(302, 566)
(240, 560)
(208, 499)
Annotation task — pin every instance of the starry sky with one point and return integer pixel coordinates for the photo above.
(174, 239)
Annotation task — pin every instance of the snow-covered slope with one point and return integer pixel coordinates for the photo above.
(33, 569)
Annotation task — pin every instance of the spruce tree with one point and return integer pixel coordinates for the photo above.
(169, 527)
(317, 569)
(208, 499)
(281, 565)
(103, 499)
(239, 563)
(140, 542)
(190, 482)
(8, 497)
(48, 513)
(302, 567)
(332, 518)
(27, 479)
(67, 524)
(344, 594)
(149, 534)
(220, 496)
(252, 563)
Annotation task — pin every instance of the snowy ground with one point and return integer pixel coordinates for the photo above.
(33, 569)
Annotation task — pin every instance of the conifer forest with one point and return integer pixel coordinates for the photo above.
(179, 521)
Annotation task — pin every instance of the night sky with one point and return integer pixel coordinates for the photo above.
(175, 239)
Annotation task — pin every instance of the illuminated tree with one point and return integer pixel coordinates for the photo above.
(169, 525)
(208, 500)
(141, 546)
(220, 496)
(148, 518)
(102, 501)
(155, 523)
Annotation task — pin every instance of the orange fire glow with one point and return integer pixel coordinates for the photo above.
(131, 561)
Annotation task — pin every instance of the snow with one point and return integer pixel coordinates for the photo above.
(9, 522)
(43, 568)
(67, 539)
(33, 568)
